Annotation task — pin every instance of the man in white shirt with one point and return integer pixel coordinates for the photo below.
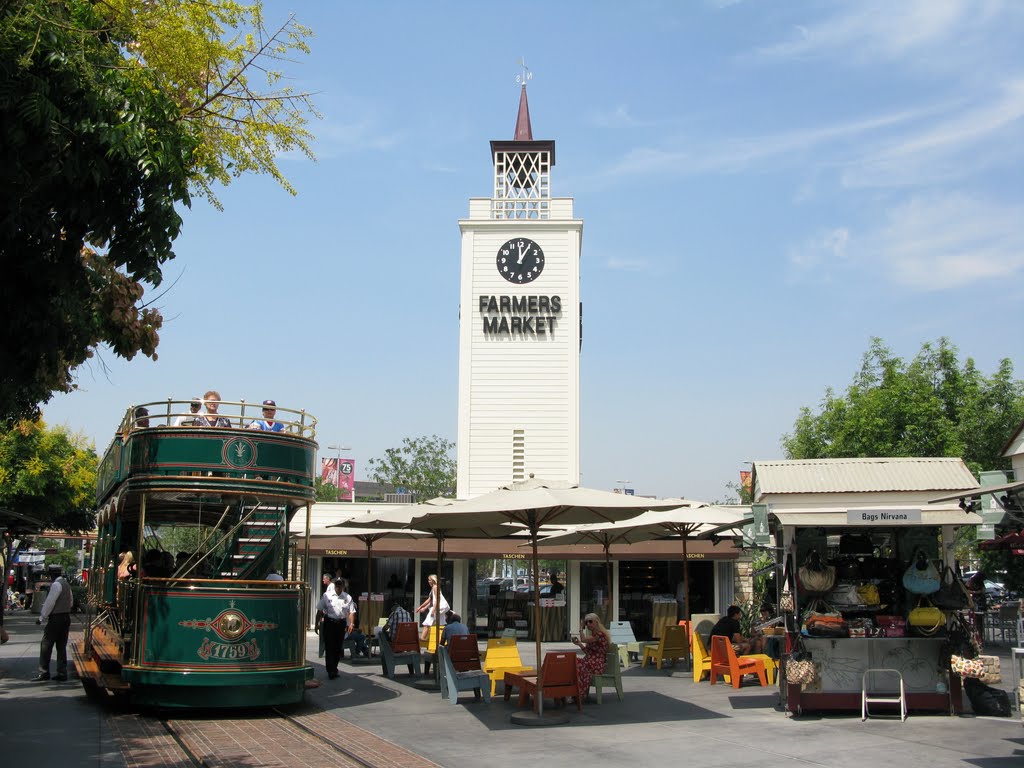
(339, 612)
(56, 612)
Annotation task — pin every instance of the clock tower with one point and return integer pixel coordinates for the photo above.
(519, 323)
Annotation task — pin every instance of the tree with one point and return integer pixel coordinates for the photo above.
(422, 466)
(112, 115)
(324, 491)
(49, 475)
(933, 406)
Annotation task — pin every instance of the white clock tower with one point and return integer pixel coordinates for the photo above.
(519, 324)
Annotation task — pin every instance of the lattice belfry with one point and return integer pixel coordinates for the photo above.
(522, 184)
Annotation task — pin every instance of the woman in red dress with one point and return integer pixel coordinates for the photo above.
(593, 639)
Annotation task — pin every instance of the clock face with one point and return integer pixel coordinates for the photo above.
(520, 260)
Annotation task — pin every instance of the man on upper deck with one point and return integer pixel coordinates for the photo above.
(267, 423)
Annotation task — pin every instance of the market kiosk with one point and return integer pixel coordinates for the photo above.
(868, 546)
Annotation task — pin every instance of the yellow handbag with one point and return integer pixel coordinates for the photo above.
(868, 594)
(926, 619)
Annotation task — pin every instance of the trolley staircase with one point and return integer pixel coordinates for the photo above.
(255, 546)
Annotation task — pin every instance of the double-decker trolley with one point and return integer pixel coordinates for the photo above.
(191, 604)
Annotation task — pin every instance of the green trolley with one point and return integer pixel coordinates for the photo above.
(195, 599)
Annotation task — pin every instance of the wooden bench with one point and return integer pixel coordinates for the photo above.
(502, 656)
(404, 650)
(454, 680)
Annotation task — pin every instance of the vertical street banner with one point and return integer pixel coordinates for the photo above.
(341, 473)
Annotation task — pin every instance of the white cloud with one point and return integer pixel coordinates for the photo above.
(946, 241)
(870, 29)
(620, 116)
(821, 251)
(339, 138)
(960, 145)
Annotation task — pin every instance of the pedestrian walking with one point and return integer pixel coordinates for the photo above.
(56, 612)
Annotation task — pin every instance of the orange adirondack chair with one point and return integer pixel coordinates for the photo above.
(724, 661)
(407, 639)
(464, 653)
(560, 681)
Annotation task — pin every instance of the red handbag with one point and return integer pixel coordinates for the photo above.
(892, 626)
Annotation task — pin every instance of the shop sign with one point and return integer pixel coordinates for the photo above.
(514, 556)
(695, 555)
(336, 552)
(883, 516)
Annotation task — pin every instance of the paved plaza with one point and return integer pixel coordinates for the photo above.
(664, 717)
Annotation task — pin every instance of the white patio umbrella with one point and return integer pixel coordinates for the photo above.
(400, 518)
(606, 535)
(531, 504)
(682, 522)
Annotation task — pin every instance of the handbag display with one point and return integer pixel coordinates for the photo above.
(926, 619)
(921, 576)
(816, 577)
(892, 626)
(868, 595)
(845, 593)
(821, 621)
(952, 594)
(786, 602)
(856, 544)
(801, 672)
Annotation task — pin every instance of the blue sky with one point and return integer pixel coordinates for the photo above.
(764, 186)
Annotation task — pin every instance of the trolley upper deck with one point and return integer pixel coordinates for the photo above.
(153, 452)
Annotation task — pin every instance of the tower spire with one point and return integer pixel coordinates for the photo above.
(524, 131)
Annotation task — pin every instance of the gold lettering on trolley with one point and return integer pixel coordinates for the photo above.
(514, 556)
(342, 552)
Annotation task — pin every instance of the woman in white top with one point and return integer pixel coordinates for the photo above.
(430, 605)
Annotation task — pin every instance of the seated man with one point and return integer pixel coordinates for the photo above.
(729, 626)
(397, 616)
(358, 640)
(453, 627)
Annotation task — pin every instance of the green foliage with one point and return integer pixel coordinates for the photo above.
(749, 614)
(324, 491)
(67, 559)
(423, 466)
(933, 406)
(49, 475)
(762, 558)
(110, 113)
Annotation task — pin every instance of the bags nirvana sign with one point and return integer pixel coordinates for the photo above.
(520, 315)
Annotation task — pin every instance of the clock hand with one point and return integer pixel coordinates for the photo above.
(521, 254)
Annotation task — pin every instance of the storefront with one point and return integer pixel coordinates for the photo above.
(869, 553)
(489, 581)
(872, 521)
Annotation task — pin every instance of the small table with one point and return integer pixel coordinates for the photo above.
(516, 680)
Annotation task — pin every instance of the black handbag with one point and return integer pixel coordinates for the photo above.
(952, 595)
(856, 544)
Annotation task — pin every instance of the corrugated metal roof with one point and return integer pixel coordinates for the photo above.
(862, 475)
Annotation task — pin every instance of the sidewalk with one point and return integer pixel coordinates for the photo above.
(665, 717)
(51, 723)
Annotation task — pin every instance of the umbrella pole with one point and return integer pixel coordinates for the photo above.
(686, 592)
(608, 571)
(369, 587)
(536, 625)
(437, 611)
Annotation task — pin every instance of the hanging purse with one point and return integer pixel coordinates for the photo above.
(816, 577)
(926, 619)
(799, 669)
(952, 594)
(921, 576)
(845, 593)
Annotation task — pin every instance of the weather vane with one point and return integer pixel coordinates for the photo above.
(526, 75)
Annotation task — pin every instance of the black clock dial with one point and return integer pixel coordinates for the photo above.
(520, 260)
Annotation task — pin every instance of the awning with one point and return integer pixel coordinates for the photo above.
(835, 518)
(977, 493)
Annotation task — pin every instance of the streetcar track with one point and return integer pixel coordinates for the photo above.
(189, 740)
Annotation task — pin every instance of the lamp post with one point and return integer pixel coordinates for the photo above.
(337, 468)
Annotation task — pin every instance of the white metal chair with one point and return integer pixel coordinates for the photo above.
(881, 697)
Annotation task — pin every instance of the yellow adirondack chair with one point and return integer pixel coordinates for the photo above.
(672, 646)
(502, 656)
